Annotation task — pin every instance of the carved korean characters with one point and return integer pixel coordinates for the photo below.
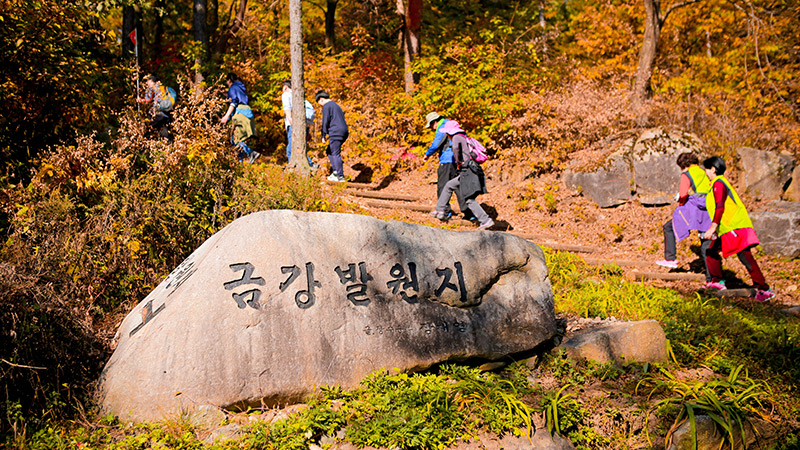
(281, 302)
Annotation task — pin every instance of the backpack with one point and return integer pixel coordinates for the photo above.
(168, 97)
(478, 151)
(309, 111)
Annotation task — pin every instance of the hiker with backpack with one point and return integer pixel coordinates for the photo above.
(447, 169)
(335, 127)
(731, 231)
(691, 213)
(241, 119)
(163, 102)
(471, 182)
(286, 100)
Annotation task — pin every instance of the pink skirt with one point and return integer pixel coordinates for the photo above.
(735, 241)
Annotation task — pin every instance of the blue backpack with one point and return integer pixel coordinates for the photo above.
(168, 97)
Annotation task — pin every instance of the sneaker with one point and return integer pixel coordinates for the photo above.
(340, 179)
(488, 224)
(314, 166)
(718, 285)
(440, 215)
(254, 155)
(333, 177)
(672, 264)
(764, 295)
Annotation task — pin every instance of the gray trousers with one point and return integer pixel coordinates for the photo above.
(444, 201)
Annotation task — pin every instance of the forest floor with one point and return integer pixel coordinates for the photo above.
(543, 210)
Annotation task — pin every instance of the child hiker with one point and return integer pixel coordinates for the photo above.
(731, 223)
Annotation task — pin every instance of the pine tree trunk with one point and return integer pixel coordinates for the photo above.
(298, 160)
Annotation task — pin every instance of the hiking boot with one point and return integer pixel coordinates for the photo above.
(718, 285)
(764, 295)
(488, 224)
(254, 155)
(672, 264)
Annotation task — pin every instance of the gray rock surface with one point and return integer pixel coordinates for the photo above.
(654, 156)
(642, 341)
(609, 185)
(644, 165)
(792, 193)
(765, 174)
(778, 228)
(279, 303)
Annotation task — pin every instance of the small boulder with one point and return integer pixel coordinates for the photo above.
(778, 228)
(608, 184)
(642, 341)
(279, 303)
(765, 174)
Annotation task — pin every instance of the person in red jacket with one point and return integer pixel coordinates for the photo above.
(731, 230)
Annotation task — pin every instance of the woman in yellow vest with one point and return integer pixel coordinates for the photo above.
(691, 213)
(730, 221)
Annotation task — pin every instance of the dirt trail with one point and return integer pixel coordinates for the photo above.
(542, 210)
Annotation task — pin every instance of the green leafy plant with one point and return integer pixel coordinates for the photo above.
(561, 411)
(729, 402)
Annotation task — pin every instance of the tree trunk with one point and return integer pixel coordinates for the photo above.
(330, 24)
(128, 25)
(411, 10)
(158, 37)
(647, 55)
(200, 38)
(298, 160)
(212, 21)
(230, 30)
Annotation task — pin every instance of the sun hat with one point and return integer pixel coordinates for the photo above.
(452, 127)
(430, 118)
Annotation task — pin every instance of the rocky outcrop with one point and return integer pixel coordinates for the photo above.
(279, 303)
(778, 228)
(765, 175)
(642, 167)
(642, 341)
(792, 193)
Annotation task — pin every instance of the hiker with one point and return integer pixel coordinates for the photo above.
(470, 180)
(335, 127)
(447, 168)
(691, 212)
(286, 99)
(163, 102)
(731, 231)
(241, 117)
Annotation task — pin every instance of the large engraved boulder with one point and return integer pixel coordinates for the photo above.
(279, 303)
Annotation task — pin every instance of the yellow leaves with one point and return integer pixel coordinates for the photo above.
(135, 247)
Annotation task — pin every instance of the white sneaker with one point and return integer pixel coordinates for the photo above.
(672, 264)
(488, 224)
(333, 177)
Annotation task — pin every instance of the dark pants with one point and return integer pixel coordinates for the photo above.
(670, 247)
(446, 172)
(160, 122)
(714, 265)
(334, 152)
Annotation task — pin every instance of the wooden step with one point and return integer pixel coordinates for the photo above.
(397, 205)
(619, 262)
(730, 293)
(669, 276)
(380, 195)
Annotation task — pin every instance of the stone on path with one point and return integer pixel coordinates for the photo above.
(279, 303)
(642, 341)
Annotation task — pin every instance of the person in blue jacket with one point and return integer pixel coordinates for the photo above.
(447, 168)
(241, 116)
(335, 127)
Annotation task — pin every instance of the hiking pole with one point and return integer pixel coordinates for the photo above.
(136, 52)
